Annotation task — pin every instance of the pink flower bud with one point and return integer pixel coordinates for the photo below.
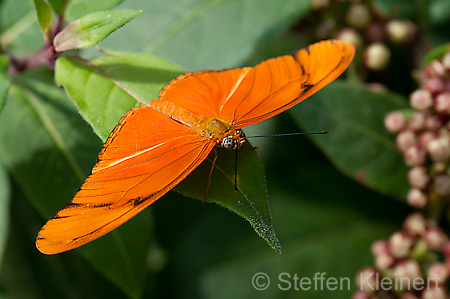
(418, 177)
(435, 238)
(400, 31)
(352, 36)
(442, 184)
(408, 295)
(426, 137)
(434, 69)
(438, 273)
(400, 244)
(358, 15)
(377, 56)
(374, 32)
(416, 121)
(434, 85)
(406, 271)
(442, 103)
(433, 122)
(446, 61)
(439, 149)
(446, 250)
(384, 261)
(414, 156)
(366, 280)
(361, 295)
(394, 121)
(415, 224)
(421, 99)
(433, 292)
(416, 198)
(379, 247)
(405, 139)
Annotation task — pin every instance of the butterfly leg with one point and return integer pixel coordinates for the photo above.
(216, 155)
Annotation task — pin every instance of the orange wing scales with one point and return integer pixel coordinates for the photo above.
(119, 188)
(155, 147)
(247, 96)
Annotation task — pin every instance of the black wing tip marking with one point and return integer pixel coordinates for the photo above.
(139, 200)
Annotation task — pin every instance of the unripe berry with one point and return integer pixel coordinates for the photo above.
(433, 122)
(358, 16)
(374, 32)
(418, 177)
(405, 140)
(379, 247)
(421, 99)
(400, 31)
(366, 280)
(442, 184)
(446, 61)
(415, 224)
(384, 261)
(434, 292)
(426, 137)
(377, 56)
(414, 156)
(395, 121)
(400, 244)
(439, 149)
(435, 238)
(433, 85)
(406, 271)
(438, 273)
(416, 198)
(416, 121)
(442, 103)
(434, 69)
(352, 36)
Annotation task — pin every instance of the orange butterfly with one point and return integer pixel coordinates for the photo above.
(155, 146)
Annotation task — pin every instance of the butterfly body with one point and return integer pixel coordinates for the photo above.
(156, 146)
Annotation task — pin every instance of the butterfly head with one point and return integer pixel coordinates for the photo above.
(233, 140)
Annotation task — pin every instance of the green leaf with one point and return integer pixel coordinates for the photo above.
(250, 202)
(103, 93)
(435, 54)
(20, 32)
(4, 80)
(206, 34)
(49, 151)
(58, 6)
(128, 244)
(439, 11)
(4, 209)
(79, 8)
(358, 144)
(103, 100)
(92, 29)
(44, 14)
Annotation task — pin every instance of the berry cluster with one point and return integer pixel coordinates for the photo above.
(407, 264)
(415, 262)
(367, 27)
(423, 135)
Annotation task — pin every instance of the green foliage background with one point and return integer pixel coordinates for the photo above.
(330, 196)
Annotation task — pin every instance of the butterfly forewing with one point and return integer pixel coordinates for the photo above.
(145, 156)
(250, 95)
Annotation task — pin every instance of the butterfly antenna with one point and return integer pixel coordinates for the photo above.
(291, 134)
(216, 155)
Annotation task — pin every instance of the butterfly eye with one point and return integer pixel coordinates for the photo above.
(228, 142)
